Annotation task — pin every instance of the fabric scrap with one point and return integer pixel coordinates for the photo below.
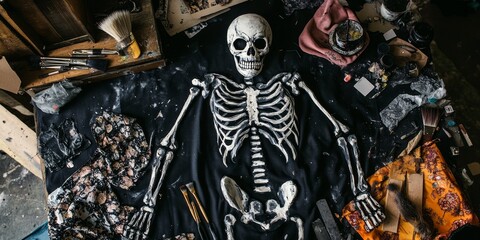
(428, 88)
(122, 143)
(59, 145)
(444, 205)
(314, 38)
(86, 206)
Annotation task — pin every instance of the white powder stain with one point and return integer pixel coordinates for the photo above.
(159, 115)
(10, 171)
(3, 199)
(116, 105)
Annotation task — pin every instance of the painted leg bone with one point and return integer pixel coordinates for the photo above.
(299, 223)
(229, 221)
(139, 224)
(369, 208)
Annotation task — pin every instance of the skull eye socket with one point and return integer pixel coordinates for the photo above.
(239, 44)
(260, 43)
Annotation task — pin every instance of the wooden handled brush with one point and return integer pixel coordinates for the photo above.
(98, 64)
(430, 118)
(119, 26)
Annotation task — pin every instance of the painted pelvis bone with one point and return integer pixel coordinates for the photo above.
(274, 211)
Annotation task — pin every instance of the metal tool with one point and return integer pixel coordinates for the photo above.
(192, 190)
(61, 69)
(328, 220)
(94, 51)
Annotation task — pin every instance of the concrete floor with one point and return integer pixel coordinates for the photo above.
(456, 54)
(22, 200)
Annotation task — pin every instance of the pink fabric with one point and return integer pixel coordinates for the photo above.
(314, 37)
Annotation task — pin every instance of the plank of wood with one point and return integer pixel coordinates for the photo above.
(21, 27)
(415, 190)
(415, 195)
(19, 142)
(11, 46)
(32, 15)
(392, 212)
(11, 102)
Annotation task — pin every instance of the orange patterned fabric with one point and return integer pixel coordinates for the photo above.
(443, 203)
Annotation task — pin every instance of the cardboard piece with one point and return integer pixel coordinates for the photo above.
(370, 16)
(200, 9)
(391, 210)
(415, 195)
(9, 80)
(415, 189)
(404, 52)
(474, 168)
(180, 19)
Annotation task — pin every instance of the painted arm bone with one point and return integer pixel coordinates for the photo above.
(369, 208)
(138, 225)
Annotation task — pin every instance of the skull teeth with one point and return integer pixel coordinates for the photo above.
(254, 65)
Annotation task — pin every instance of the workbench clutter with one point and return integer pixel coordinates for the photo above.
(244, 136)
(118, 25)
(58, 40)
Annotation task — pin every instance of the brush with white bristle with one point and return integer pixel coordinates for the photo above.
(119, 26)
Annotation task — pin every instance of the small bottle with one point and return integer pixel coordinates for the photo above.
(412, 69)
(391, 10)
(421, 35)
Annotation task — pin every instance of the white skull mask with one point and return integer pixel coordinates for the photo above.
(249, 37)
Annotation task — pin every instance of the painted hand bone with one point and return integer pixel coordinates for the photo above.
(370, 210)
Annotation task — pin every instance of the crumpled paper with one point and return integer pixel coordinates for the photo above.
(428, 88)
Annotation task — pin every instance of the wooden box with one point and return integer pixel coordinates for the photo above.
(144, 28)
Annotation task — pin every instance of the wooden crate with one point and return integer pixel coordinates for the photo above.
(145, 31)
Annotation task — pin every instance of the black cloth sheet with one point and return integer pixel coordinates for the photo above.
(155, 98)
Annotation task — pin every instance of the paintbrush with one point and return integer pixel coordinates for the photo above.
(192, 190)
(193, 212)
(119, 26)
(94, 51)
(430, 118)
(99, 64)
(61, 69)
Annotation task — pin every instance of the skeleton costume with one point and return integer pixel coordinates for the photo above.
(250, 115)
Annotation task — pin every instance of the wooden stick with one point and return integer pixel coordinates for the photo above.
(187, 201)
(191, 188)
